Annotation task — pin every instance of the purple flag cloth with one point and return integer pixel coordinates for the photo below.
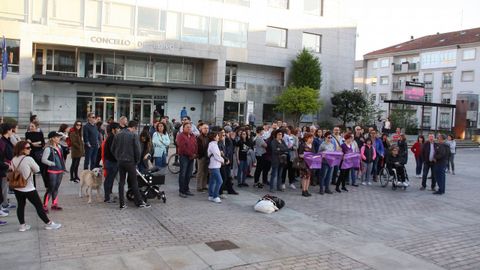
(351, 160)
(313, 161)
(333, 158)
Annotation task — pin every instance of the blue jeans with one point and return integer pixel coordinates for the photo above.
(275, 177)
(186, 168)
(418, 169)
(161, 162)
(353, 176)
(214, 183)
(112, 169)
(325, 176)
(368, 171)
(440, 176)
(242, 171)
(90, 157)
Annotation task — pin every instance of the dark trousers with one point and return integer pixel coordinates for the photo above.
(335, 175)
(112, 170)
(259, 169)
(439, 169)
(74, 168)
(267, 164)
(90, 157)
(291, 173)
(129, 168)
(419, 163)
(33, 198)
(186, 167)
(342, 179)
(427, 165)
(227, 184)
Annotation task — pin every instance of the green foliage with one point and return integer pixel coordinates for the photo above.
(297, 101)
(347, 105)
(369, 113)
(405, 119)
(306, 71)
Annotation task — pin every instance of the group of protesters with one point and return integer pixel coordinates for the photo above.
(271, 154)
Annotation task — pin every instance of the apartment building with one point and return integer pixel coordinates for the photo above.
(447, 63)
(221, 59)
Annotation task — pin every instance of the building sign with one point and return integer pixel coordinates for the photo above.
(414, 91)
(151, 45)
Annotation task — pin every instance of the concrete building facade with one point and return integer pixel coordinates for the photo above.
(221, 59)
(448, 64)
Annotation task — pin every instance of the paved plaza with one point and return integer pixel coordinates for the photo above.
(366, 228)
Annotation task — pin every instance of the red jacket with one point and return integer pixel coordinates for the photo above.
(417, 149)
(186, 145)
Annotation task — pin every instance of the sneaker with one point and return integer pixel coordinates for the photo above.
(56, 207)
(422, 188)
(217, 200)
(188, 193)
(369, 183)
(24, 228)
(53, 226)
(418, 176)
(223, 196)
(144, 205)
(292, 186)
(123, 206)
(183, 195)
(364, 183)
(210, 198)
(283, 186)
(110, 201)
(45, 209)
(3, 213)
(3, 223)
(10, 205)
(76, 181)
(405, 184)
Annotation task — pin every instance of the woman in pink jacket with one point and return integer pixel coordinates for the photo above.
(368, 154)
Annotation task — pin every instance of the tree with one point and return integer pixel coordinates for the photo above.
(405, 119)
(296, 101)
(306, 71)
(370, 112)
(347, 105)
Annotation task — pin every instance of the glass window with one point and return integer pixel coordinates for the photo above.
(447, 80)
(11, 104)
(93, 13)
(468, 54)
(312, 42)
(64, 61)
(195, 29)
(238, 2)
(39, 61)
(375, 64)
(161, 71)
(276, 37)
(446, 98)
(283, 4)
(373, 81)
(66, 11)
(123, 108)
(231, 76)
(13, 53)
(428, 97)
(13, 9)
(215, 33)
(426, 120)
(109, 65)
(383, 97)
(234, 34)
(38, 11)
(384, 80)
(151, 21)
(384, 63)
(173, 25)
(84, 106)
(119, 16)
(313, 7)
(138, 68)
(180, 72)
(468, 76)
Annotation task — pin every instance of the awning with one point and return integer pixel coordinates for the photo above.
(140, 84)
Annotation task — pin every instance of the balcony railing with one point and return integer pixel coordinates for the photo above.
(397, 67)
(405, 68)
(412, 66)
(398, 86)
(447, 84)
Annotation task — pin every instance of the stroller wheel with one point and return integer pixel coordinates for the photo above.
(163, 197)
(130, 195)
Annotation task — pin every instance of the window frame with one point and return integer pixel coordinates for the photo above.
(278, 6)
(465, 72)
(314, 14)
(319, 42)
(469, 50)
(12, 68)
(276, 28)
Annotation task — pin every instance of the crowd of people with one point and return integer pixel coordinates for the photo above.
(271, 154)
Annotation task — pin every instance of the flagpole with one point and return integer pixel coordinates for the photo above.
(3, 102)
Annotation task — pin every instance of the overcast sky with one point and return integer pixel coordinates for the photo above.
(382, 23)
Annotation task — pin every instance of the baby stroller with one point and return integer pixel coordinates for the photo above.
(149, 184)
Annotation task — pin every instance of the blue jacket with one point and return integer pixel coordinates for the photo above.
(379, 147)
(316, 144)
(91, 136)
(52, 158)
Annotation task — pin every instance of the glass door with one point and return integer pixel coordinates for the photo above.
(146, 112)
(104, 107)
(109, 109)
(137, 110)
(99, 107)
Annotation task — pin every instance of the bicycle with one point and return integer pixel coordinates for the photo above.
(173, 164)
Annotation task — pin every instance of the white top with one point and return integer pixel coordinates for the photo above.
(28, 167)
(161, 143)
(216, 158)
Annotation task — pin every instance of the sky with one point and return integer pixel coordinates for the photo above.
(383, 23)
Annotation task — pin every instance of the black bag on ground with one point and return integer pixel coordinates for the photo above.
(279, 203)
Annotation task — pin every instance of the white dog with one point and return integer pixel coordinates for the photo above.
(93, 180)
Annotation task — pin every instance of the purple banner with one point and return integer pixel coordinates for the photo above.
(351, 160)
(313, 161)
(333, 158)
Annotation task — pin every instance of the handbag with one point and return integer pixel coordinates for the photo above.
(15, 177)
(299, 164)
(283, 159)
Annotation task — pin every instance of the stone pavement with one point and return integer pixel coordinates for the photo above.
(366, 228)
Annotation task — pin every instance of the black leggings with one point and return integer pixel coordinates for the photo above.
(74, 168)
(33, 197)
(344, 173)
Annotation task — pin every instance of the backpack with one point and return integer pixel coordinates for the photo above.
(279, 203)
(15, 177)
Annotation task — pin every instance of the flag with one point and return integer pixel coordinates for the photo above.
(4, 58)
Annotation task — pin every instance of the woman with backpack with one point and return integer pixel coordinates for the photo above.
(368, 155)
(75, 141)
(52, 158)
(27, 167)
